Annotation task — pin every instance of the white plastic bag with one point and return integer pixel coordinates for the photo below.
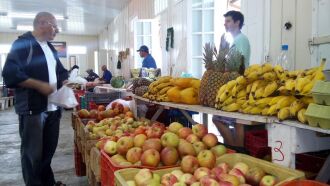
(123, 102)
(64, 97)
(78, 80)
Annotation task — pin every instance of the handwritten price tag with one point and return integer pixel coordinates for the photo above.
(278, 150)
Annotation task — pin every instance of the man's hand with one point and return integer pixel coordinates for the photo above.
(65, 82)
(45, 89)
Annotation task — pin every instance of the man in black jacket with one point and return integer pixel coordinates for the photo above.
(34, 70)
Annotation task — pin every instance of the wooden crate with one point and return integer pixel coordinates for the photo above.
(95, 162)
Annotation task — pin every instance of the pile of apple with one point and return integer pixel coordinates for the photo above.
(117, 109)
(221, 175)
(156, 145)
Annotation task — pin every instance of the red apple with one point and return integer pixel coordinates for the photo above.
(187, 178)
(225, 183)
(236, 172)
(150, 158)
(199, 146)
(184, 132)
(140, 130)
(154, 132)
(139, 140)
(201, 172)
(134, 154)
(177, 173)
(196, 184)
(118, 159)
(268, 180)
(210, 140)
(170, 139)
(93, 114)
(175, 127)
(192, 138)
(199, 130)
(152, 143)
(124, 144)
(224, 166)
(101, 108)
(243, 167)
(169, 156)
(186, 148)
(189, 164)
(143, 177)
(206, 181)
(229, 178)
(254, 175)
(168, 179)
(216, 171)
(219, 150)
(206, 159)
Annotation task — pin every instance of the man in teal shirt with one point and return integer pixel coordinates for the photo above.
(233, 39)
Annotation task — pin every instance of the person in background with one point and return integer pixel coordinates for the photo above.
(73, 72)
(34, 70)
(148, 61)
(234, 39)
(91, 75)
(106, 75)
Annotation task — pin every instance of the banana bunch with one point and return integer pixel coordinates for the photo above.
(157, 90)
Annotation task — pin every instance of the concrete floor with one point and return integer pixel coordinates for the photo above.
(10, 165)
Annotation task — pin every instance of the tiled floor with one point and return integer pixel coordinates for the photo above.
(63, 161)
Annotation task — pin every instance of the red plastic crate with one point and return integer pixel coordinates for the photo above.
(256, 142)
(108, 169)
(311, 162)
(79, 165)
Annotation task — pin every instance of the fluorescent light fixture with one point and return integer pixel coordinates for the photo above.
(31, 15)
(24, 27)
(30, 28)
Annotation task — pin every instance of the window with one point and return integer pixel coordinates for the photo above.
(202, 32)
(77, 49)
(142, 36)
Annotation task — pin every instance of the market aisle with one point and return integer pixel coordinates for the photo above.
(63, 161)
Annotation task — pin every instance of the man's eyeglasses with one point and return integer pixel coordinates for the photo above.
(53, 25)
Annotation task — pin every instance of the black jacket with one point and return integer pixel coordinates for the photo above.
(27, 60)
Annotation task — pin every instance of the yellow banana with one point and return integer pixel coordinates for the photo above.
(295, 107)
(272, 110)
(255, 110)
(294, 74)
(223, 97)
(307, 100)
(247, 109)
(252, 68)
(259, 93)
(284, 77)
(241, 101)
(290, 84)
(230, 85)
(255, 85)
(267, 67)
(311, 71)
(252, 76)
(284, 113)
(222, 89)
(269, 76)
(318, 75)
(283, 91)
(278, 70)
(285, 102)
(229, 101)
(270, 89)
(162, 85)
(300, 83)
(307, 88)
(231, 108)
(241, 80)
(248, 88)
(263, 102)
(301, 116)
(164, 90)
(264, 111)
(275, 100)
(241, 94)
(244, 105)
(251, 99)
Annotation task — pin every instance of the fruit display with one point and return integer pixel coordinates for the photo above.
(225, 67)
(270, 91)
(220, 174)
(178, 90)
(117, 82)
(157, 146)
(140, 86)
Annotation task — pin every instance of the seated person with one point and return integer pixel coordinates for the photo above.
(106, 75)
(91, 75)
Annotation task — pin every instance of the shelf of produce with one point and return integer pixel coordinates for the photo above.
(209, 110)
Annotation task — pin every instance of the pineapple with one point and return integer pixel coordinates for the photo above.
(227, 66)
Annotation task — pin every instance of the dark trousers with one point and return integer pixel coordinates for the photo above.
(39, 137)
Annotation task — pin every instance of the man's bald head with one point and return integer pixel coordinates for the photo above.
(45, 26)
(42, 17)
(104, 67)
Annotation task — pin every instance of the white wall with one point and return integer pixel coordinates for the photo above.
(86, 61)
(119, 35)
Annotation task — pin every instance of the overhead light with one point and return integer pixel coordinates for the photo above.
(28, 15)
(24, 27)
(30, 28)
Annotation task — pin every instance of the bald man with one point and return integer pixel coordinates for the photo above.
(106, 75)
(34, 70)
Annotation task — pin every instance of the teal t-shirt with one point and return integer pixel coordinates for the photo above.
(242, 44)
